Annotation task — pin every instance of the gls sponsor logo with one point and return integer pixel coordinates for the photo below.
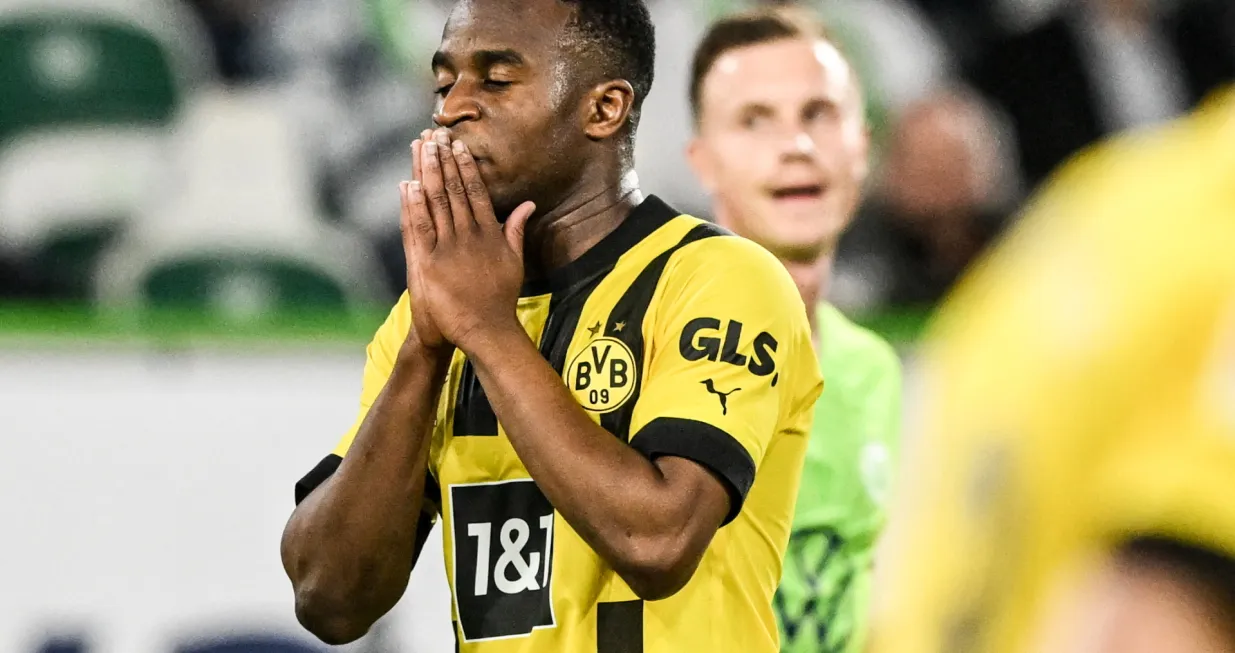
(701, 338)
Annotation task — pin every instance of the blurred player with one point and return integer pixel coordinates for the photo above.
(1074, 489)
(782, 145)
(644, 504)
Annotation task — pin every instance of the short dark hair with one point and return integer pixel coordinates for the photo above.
(618, 36)
(746, 29)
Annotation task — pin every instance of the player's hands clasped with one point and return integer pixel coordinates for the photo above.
(464, 268)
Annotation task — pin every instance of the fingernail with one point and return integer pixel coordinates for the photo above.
(413, 192)
(442, 137)
(431, 149)
(416, 144)
(457, 146)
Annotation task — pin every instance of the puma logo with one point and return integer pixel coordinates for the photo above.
(723, 396)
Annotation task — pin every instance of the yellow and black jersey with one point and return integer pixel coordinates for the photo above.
(680, 339)
(1082, 395)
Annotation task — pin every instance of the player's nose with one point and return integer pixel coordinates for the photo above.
(458, 106)
(803, 143)
(792, 144)
(798, 145)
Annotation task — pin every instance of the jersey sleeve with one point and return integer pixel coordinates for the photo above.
(379, 362)
(731, 364)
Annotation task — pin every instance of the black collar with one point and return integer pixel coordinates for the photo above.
(650, 215)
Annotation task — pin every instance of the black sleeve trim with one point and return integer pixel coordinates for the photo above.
(424, 526)
(328, 466)
(313, 479)
(432, 503)
(1209, 567)
(705, 444)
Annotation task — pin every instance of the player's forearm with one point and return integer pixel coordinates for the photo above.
(616, 499)
(350, 545)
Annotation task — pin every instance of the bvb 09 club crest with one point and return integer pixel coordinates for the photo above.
(602, 376)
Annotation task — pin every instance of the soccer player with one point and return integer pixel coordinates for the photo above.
(1073, 490)
(605, 402)
(782, 145)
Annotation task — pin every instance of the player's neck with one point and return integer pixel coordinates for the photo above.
(568, 230)
(812, 279)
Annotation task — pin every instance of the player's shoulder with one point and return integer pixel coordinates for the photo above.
(730, 262)
(717, 243)
(404, 301)
(398, 322)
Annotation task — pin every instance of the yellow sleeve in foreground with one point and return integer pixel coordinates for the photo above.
(379, 362)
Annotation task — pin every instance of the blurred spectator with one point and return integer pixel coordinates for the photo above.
(355, 79)
(901, 58)
(231, 25)
(940, 200)
(898, 56)
(1101, 66)
(963, 24)
(347, 95)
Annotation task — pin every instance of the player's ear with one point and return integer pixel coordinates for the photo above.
(701, 162)
(608, 108)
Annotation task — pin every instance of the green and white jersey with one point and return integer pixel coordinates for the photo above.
(841, 506)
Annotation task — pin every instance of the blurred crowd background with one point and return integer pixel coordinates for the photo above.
(243, 156)
(239, 159)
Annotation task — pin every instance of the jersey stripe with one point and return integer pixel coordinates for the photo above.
(563, 320)
(619, 627)
(431, 504)
(626, 321)
(474, 414)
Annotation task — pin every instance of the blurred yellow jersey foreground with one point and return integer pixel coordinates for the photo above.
(1081, 392)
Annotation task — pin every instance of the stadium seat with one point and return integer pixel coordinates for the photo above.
(95, 62)
(66, 194)
(240, 235)
(63, 644)
(89, 88)
(178, 30)
(55, 70)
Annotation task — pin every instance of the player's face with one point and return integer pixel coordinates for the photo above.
(501, 90)
(782, 144)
